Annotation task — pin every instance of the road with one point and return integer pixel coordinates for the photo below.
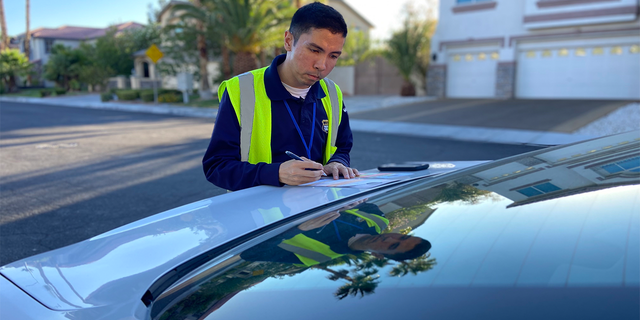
(67, 174)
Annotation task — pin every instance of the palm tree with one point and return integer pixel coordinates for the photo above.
(249, 26)
(362, 283)
(415, 266)
(3, 28)
(27, 37)
(405, 50)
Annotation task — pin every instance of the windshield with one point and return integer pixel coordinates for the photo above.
(519, 229)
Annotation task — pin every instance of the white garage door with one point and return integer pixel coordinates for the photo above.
(472, 75)
(595, 72)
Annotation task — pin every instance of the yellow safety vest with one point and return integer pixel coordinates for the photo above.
(312, 252)
(248, 96)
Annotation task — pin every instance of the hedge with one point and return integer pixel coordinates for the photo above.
(104, 97)
(170, 97)
(127, 95)
(146, 96)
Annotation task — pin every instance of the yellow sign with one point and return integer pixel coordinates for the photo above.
(154, 53)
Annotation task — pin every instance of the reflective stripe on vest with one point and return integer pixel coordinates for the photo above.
(309, 251)
(373, 220)
(248, 96)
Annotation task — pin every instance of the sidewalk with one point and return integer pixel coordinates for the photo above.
(623, 119)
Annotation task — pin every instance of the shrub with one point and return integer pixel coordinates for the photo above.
(59, 91)
(146, 96)
(127, 95)
(170, 97)
(45, 92)
(104, 97)
(174, 91)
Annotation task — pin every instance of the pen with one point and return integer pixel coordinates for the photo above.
(295, 157)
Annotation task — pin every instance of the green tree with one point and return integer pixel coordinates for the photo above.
(251, 26)
(407, 49)
(357, 48)
(415, 266)
(64, 65)
(115, 49)
(363, 283)
(13, 64)
(197, 29)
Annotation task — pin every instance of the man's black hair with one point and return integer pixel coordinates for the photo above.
(317, 16)
(419, 249)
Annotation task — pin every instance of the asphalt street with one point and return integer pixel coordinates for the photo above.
(539, 115)
(67, 174)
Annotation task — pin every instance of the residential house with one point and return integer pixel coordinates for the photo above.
(536, 49)
(43, 39)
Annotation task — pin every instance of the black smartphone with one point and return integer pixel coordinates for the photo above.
(405, 166)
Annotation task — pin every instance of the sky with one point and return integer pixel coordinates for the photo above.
(384, 14)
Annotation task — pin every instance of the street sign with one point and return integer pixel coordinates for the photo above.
(154, 53)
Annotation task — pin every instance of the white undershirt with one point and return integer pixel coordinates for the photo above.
(295, 92)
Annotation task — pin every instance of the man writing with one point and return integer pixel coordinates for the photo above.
(288, 106)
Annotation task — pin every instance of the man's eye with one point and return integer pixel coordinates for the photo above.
(393, 246)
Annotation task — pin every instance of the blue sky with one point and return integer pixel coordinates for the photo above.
(82, 13)
(384, 14)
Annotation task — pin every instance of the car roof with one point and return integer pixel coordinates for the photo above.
(119, 266)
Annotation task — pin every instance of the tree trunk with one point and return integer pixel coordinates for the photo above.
(3, 28)
(226, 64)
(27, 37)
(205, 90)
(407, 89)
(244, 61)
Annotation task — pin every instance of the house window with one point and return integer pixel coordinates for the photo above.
(631, 165)
(48, 44)
(538, 189)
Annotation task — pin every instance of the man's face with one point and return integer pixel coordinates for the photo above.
(313, 56)
(391, 243)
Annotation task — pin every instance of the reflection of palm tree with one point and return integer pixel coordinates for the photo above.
(415, 266)
(364, 283)
(335, 275)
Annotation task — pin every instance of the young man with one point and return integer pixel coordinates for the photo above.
(285, 107)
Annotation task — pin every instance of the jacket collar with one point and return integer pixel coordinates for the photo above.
(275, 89)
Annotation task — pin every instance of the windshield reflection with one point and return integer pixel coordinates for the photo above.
(351, 246)
(483, 236)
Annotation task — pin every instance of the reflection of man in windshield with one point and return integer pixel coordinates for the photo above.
(351, 231)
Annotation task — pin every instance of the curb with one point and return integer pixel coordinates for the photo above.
(158, 109)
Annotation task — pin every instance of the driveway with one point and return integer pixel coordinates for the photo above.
(539, 115)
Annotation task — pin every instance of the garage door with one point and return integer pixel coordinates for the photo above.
(472, 75)
(596, 72)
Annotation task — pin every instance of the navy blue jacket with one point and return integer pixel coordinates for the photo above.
(222, 162)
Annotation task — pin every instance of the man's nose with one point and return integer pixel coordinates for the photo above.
(321, 64)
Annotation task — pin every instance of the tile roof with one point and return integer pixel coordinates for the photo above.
(79, 33)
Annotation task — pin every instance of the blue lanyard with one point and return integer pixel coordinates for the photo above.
(313, 126)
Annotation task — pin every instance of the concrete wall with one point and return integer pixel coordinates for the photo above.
(345, 78)
(377, 77)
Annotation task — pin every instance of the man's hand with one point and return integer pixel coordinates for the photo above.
(336, 169)
(319, 221)
(293, 172)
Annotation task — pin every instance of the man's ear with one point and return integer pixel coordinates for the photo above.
(288, 40)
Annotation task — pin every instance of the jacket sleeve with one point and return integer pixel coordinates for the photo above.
(344, 141)
(222, 163)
